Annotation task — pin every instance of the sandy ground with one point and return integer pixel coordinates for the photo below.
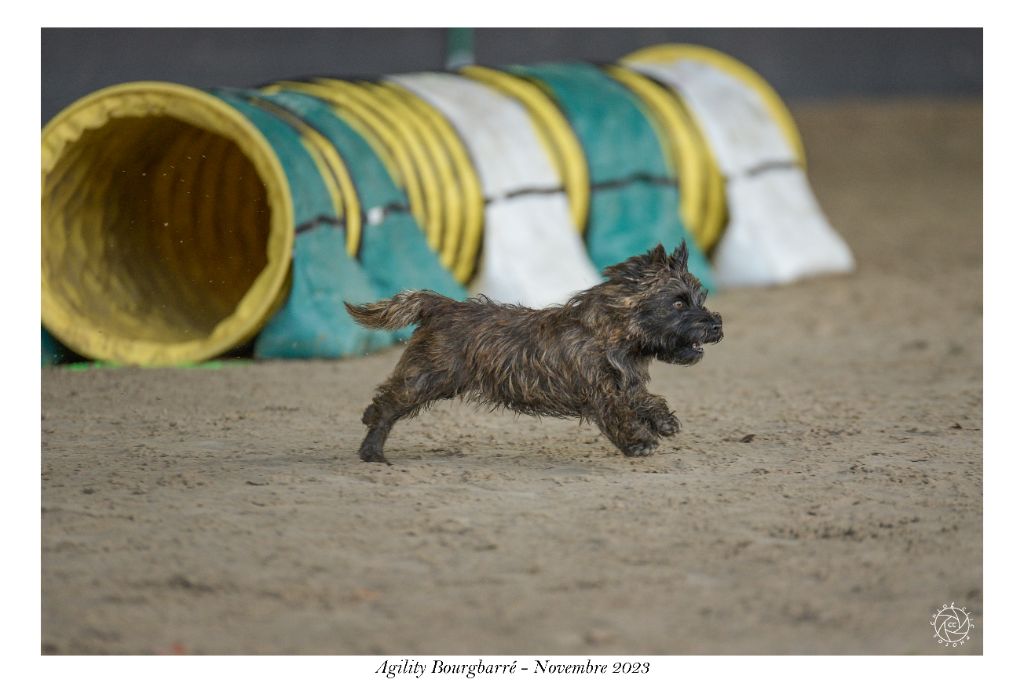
(824, 495)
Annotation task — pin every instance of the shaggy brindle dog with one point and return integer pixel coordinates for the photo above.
(587, 359)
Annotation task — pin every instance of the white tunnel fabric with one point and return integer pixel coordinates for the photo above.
(777, 232)
(532, 253)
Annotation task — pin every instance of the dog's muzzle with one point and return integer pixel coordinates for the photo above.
(691, 350)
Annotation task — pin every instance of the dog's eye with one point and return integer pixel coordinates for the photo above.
(678, 304)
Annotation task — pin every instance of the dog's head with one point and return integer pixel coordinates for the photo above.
(667, 305)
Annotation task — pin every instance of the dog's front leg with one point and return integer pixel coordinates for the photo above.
(655, 410)
(619, 420)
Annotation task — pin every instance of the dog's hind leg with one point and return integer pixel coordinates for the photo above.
(401, 396)
(380, 419)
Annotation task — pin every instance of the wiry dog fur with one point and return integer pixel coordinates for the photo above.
(587, 359)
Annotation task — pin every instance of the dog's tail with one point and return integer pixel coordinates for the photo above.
(405, 308)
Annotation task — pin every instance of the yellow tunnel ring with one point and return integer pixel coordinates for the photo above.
(106, 152)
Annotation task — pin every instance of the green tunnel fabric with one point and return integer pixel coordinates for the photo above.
(52, 350)
(634, 195)
(313, 322)
(393, 250)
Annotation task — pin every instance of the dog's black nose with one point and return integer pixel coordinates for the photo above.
(715, 327)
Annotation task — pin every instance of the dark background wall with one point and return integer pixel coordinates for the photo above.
(800, 63)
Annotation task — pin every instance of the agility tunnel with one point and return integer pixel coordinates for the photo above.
(179, 224)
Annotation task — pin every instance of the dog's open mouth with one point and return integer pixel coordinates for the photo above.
(684, 354)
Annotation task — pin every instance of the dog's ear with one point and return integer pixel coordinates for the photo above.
(680, 256)
(657, 256)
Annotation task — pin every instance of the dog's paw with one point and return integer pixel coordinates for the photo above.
(370, 455)
(667, 425)
(640, 448)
